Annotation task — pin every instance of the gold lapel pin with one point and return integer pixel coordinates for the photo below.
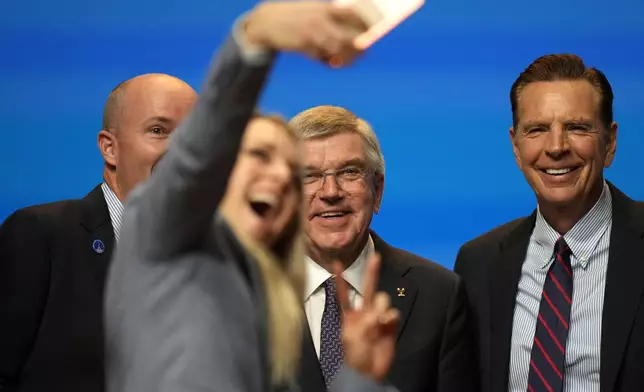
(401, 291)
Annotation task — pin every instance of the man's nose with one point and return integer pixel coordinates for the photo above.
(330, 189)
(557, 144)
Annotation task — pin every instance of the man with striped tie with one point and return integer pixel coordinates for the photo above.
(54, 256)
(558, 295)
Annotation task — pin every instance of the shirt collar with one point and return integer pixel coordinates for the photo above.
(115, 208)
(584, 235)
(316, 274)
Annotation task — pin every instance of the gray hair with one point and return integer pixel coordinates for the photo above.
(326, 120)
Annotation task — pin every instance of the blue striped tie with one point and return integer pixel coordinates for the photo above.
(331, 353)
(548, 355)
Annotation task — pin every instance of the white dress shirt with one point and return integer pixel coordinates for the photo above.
(314, 295)
(115, 207)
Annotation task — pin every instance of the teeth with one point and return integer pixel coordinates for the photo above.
(264, 198)
(331, 214)
(559, 171)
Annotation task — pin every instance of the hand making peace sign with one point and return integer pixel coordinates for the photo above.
(368, 333)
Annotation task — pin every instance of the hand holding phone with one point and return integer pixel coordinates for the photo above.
(381, 16)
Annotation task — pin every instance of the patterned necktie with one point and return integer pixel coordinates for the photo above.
(331, 353)
(548, 355)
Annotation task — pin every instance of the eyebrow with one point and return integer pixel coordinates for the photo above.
(159, 119)
(351, 162)
(579, 120)
(546, 124)
(535, 124)
(269, 145)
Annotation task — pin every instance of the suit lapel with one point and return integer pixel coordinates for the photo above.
(311, 378)
(504, 275)
(624, 285)
(392, 281)
(99, 241)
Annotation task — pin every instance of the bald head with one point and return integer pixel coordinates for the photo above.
(115, 101)
(139, 116)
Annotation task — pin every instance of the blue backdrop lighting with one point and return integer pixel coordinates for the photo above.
(435, 91)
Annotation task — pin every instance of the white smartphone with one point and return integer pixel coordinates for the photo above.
(382, 16)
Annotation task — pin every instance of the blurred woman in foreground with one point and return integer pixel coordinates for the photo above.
(201, 304)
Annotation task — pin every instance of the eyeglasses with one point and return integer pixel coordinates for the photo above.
(346, 178)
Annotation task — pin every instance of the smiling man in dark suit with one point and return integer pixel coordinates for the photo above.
(54, 257)
(343, 186)
(557, 295)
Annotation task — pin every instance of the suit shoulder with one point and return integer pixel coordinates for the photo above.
(492, 237)
(639, 205)
(423, 267)
(46, 213)
(53, 210)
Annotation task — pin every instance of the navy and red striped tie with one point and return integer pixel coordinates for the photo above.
(548, 355)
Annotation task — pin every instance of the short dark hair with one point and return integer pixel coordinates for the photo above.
(556, 67)
(112, 106)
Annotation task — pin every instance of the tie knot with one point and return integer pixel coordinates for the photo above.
(329, 286)
(561, 247)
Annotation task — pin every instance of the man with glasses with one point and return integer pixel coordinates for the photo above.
(343, 184)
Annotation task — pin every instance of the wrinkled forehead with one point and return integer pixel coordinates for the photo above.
(559, 101)
(333, 152)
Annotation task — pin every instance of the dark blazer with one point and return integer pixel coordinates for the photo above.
(491, 267)
(185, 307)
(51, 295)
(435, 349)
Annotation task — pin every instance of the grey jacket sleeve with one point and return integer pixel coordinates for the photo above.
(172, 210)
(351, 381)
(166, 219)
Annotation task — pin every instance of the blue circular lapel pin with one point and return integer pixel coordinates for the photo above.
(98, 246)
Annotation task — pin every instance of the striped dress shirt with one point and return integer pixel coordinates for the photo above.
(589, 241)
(115, 207)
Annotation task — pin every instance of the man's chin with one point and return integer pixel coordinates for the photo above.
(335, 246)
(332, 243)
(559, 197)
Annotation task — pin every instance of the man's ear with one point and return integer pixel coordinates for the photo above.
(515, 147)
(611, 144)
(379, 188)
(108, 146)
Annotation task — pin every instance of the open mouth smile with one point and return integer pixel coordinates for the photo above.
(264, 205)
(560, 171)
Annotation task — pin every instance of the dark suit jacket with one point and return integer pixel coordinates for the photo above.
(51, 296)
(491, 267)
(435, 349)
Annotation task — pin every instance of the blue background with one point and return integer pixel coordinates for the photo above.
(435, 91)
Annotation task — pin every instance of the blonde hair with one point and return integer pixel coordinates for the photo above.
(326, 120)
(283, 275)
